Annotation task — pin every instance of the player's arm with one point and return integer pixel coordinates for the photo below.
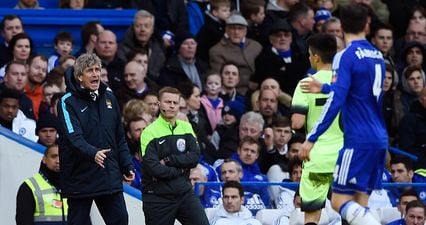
(337, 96)
(189, 159)
(155, 166)
(299, 107)
(297, 121)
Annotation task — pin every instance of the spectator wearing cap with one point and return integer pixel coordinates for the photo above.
(225, 137)
(320, 17)
(275, 11)
(47, 129)
(279, 61)
(234, 47)
(184, 66)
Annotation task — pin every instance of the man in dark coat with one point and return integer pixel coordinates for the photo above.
(141, 35)
(92, 145)
(183, 66)
(279, 60)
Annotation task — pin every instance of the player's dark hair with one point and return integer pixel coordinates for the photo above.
(353, 17)
(324, 45)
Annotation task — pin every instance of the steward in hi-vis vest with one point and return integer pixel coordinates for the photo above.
(39, 201)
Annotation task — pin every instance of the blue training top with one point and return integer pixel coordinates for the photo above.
(359, 71)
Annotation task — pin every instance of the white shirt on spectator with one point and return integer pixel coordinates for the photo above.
(24, 126)
(242, 217)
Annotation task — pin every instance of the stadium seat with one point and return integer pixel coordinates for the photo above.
(268, 216)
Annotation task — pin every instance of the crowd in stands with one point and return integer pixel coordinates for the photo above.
(236, 64)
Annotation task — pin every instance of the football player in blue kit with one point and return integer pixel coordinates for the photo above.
(359, 71)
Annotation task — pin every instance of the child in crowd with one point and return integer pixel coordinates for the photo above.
(63, 46)
(49, 89)
(211, 102)
(254, 12)
(225, 137)
(66, 61)
(214, 27)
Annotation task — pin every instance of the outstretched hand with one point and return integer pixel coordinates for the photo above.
(310, 85)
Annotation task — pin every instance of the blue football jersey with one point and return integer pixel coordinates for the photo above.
(359, 71)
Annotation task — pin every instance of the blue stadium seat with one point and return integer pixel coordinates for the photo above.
(42, 25)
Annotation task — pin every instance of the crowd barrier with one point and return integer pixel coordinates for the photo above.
(20, 159)
(294, 184)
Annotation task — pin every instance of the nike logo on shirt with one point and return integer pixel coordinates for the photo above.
(84, 109)
(161, 142)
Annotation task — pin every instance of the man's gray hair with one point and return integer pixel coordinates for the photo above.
(142, 14)
(253, 117)
(84, 61)
(237, 164)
